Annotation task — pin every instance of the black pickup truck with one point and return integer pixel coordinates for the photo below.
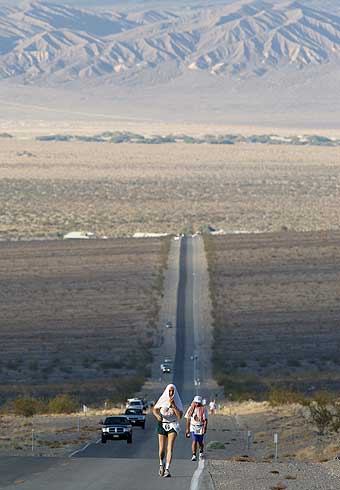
(116, 427)
(135, 416)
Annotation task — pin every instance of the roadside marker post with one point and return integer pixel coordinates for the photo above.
(78, 423)
(276, 443)
(248, 439)
(32, 440)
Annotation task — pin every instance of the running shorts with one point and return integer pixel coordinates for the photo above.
(161, 431)
(197, 437)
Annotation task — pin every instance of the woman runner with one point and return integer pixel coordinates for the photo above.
(168, 411)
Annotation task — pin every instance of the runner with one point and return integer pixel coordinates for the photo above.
(197, 422)
(212, 407)
(168, 410)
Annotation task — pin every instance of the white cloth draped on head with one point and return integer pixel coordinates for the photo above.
(163, 400)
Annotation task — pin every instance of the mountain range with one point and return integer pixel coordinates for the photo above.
(51, 43)
(242, 47)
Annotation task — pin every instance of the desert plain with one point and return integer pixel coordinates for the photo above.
(50, 188)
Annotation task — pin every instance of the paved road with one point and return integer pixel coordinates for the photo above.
(117, 465)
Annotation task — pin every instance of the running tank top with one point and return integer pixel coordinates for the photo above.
(168, 414)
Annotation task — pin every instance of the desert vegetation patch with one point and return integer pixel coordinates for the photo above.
(276, 309)
(79, 317)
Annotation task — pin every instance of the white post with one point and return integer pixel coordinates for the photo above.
(248, 439)
(230, 398)
(196, 380)
(276, 442)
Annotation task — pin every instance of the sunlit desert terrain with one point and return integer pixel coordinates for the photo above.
(49, 188)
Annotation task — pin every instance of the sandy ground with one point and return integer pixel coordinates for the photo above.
(52, 435)
(262, 476)
(242, 465)
(298, 437)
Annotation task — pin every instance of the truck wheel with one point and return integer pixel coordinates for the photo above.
(143, 426)
(103, 440)
(129, 440)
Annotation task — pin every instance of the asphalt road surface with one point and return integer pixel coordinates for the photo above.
(117, 465)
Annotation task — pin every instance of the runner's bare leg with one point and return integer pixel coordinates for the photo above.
(194, 447)
(171, 442)
(162, 443)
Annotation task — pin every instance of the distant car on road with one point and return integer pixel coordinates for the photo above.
(136, 403)
(136, 417)
(116, 427)
(166, 368)
(168, 324)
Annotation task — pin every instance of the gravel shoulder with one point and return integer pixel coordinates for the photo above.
(305, 459)
(276, 476)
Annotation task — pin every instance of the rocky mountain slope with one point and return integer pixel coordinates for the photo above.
(50, 43)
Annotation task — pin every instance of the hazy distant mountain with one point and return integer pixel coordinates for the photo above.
(252, 62)
(50, 43)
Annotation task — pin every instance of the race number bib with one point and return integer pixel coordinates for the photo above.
(197, 429)
(167, 426)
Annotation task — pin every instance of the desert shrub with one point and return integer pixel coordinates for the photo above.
(63, 404)
(321, 416)
(215, 445)
(293, 363)
(281, 396)
(27, 407)
(33, 365)
(110, 364)
(66, 369)
(127, 387)
(325, 398)
(242, 387)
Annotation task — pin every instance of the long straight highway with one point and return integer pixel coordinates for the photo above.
(119, 466)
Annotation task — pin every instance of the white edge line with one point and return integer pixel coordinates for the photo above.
(196, 476)
(82, 449)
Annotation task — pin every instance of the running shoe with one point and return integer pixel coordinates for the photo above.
(166, 474)
(201, 456)
(194, 457)
(161, 470)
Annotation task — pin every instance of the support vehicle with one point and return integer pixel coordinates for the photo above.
(116, 427)
(136, 417)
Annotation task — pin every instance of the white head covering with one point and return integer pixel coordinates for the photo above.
(164, 398)
(197, 399)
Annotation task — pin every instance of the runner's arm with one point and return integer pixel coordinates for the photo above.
(205, 425)
(187, 427)
(156, 413)
(178, 413)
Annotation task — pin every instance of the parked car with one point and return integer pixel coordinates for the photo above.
(136, 417)
(168, 324)
(116, 427)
